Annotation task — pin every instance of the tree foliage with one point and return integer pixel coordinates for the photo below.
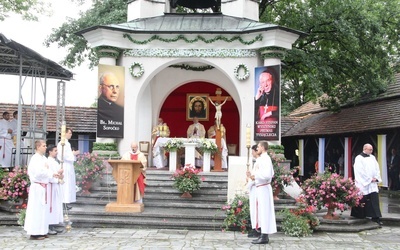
(28, 9)
(351, 49)
(103, 12)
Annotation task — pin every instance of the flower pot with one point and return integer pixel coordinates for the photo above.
(86, 188)
(330, 214)
(276, 193)
(186, 195)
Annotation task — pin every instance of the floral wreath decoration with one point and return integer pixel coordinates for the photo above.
(246, 72)
(134, 73)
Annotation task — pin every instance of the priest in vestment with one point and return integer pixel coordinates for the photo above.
(160, 130)
(196, 130)
(136, 155)
(367, 176)
(37, 212)
(6, 141)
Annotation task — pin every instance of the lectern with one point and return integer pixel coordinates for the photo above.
(126, 174)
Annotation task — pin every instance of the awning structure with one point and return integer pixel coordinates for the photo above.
(19, 60)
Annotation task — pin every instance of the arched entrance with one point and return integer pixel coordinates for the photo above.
(173, 110)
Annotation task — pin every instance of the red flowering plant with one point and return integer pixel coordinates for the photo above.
(187, 179)
(300, 221)
(237, 214)
(331, 190)
(15, 185)
(88, 168)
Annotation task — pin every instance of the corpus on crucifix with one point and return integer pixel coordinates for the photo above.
(215, 100)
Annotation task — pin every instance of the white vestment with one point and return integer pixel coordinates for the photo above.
(37, 212)
(69, 186)
(366, 168)
(6, 144)
(196, 131)
(251, 185)
(263, 173)
(55, 199)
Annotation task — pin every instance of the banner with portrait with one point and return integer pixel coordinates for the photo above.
(267, 103)
(110, 103)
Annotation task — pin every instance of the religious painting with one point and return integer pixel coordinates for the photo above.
(110, 103)
(197, 106)
(267, 103)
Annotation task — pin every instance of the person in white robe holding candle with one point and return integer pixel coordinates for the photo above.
(55, 199)
(37, 212)
(69, 186)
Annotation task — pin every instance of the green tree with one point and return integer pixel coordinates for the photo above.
(103, 12)
(25, 8)
(351, 49)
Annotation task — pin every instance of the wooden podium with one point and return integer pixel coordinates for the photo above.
(126, 173)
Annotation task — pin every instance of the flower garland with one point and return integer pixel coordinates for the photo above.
(134, 73)
(258, 38)
(246, 72)
(206, 53)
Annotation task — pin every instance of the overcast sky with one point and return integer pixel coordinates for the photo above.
(79, 92)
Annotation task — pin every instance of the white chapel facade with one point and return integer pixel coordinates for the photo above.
(156, 38)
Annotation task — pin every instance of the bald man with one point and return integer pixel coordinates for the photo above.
(135, 155)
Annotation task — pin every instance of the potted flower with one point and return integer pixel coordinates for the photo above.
(207, 146)
(173, 145)
(300, 221)
(21, 214)
(331, 191)
(187, 180)
(15, 185)
(237, 214)
(88, 168)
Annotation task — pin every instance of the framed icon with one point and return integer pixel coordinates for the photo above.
(197, 106)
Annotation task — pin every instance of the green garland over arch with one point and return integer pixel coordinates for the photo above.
(192, 68)
(258, 38)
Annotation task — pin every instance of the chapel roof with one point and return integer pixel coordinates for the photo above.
(192, 23)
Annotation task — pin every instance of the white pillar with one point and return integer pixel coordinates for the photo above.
(190, 149)
(206, 161)
(172, 161)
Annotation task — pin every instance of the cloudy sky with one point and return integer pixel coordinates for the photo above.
(79, 92)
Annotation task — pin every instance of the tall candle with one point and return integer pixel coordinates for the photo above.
(63, 131)
(248, 135)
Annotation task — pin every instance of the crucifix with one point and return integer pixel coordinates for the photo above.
(216, 101)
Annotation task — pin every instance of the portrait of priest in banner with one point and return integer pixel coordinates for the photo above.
(110, 115)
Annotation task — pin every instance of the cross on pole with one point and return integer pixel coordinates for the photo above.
(217, 157)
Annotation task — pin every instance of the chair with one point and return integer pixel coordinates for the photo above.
(231, 149)
(144, 147)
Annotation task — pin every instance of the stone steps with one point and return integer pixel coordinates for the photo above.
(164, 208)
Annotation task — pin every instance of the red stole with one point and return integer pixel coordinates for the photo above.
(140, 180)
